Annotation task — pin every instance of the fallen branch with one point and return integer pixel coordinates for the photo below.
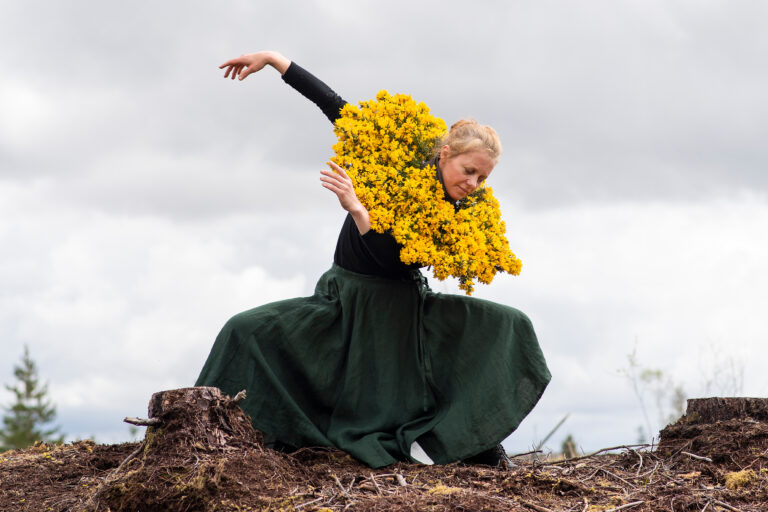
(338, 482)
(128, 459)
(535, 507)
(378, 489)
(552, 432)
(524, 454)
(640, 465)
(725, 505)
(628, 505)
(605, 471)
(141, 422)
(697, 457)
(622, 447)
(310, 502)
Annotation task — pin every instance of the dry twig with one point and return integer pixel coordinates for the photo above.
(603, 450)
(616, 477)
(640, 464)
(129, 458)
(697, 457)
(141, 422)
(524, 454)
(309, 502)
(628, 505)
(338, 482)
(239, 397)
(534, 506)
(725, 505)
(378, 489)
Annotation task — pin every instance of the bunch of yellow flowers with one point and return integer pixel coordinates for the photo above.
(385, 146)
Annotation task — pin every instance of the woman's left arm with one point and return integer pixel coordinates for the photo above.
(340, 184)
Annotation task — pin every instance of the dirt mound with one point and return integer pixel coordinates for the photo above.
(732, 444)
(732, 432)
(214, 461)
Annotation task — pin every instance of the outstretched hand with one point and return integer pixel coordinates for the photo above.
(341, 184)
(248, 63)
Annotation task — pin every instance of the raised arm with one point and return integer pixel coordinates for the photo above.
(294, 75)
(321, 95)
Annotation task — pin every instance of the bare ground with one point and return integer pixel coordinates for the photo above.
(163, 476)
(202, 454)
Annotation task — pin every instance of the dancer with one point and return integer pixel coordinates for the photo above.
(374, 362)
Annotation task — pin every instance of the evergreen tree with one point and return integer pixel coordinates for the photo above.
(23, 425)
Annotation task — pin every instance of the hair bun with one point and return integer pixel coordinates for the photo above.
(468, 135)
(463, 122)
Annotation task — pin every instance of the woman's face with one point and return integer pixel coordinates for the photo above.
(463, 173)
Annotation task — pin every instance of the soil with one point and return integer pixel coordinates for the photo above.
(721, 466)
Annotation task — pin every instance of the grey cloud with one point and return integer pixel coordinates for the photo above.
(598, 101)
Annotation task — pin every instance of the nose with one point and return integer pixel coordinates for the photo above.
(472, 182)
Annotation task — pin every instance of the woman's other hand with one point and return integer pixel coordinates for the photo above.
(248, 63)
(340, 184)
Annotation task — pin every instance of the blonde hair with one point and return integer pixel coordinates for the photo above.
(468, 135)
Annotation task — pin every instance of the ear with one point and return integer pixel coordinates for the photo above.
(445, 152)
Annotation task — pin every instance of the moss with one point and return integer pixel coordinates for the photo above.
(443, 489)
(690, 418)
(738, 479)
(150, 437)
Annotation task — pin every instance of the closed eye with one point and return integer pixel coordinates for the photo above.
(469, 172)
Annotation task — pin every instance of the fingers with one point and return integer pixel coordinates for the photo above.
(339, 193)
(338, 169)
(232, 62)
(232, 70)
(334, 179)
(340, 177)
(235, 68)
(244, 73)
(340, 185)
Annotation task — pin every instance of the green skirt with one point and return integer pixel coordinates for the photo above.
(370, 365)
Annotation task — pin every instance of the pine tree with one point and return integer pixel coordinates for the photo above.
(23, 425)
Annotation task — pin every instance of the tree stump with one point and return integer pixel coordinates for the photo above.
(731, 431)
(202, 417)
(711, 410)
(194, 435)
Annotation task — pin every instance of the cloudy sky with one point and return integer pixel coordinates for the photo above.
(144, 199)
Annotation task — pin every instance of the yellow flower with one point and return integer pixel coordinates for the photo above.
(383, 145)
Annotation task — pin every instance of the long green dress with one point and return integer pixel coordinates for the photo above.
(370, 365)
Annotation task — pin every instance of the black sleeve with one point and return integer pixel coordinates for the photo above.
(373, 253)
(314, 90)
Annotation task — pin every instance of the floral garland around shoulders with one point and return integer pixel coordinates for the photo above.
(383, 145)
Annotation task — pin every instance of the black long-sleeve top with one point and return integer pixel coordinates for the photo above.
(372, 253)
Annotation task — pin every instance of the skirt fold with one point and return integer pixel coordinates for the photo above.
(370, 365)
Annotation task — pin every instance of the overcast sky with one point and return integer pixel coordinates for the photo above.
(144, 199)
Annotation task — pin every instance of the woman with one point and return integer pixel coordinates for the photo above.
(374, 362)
